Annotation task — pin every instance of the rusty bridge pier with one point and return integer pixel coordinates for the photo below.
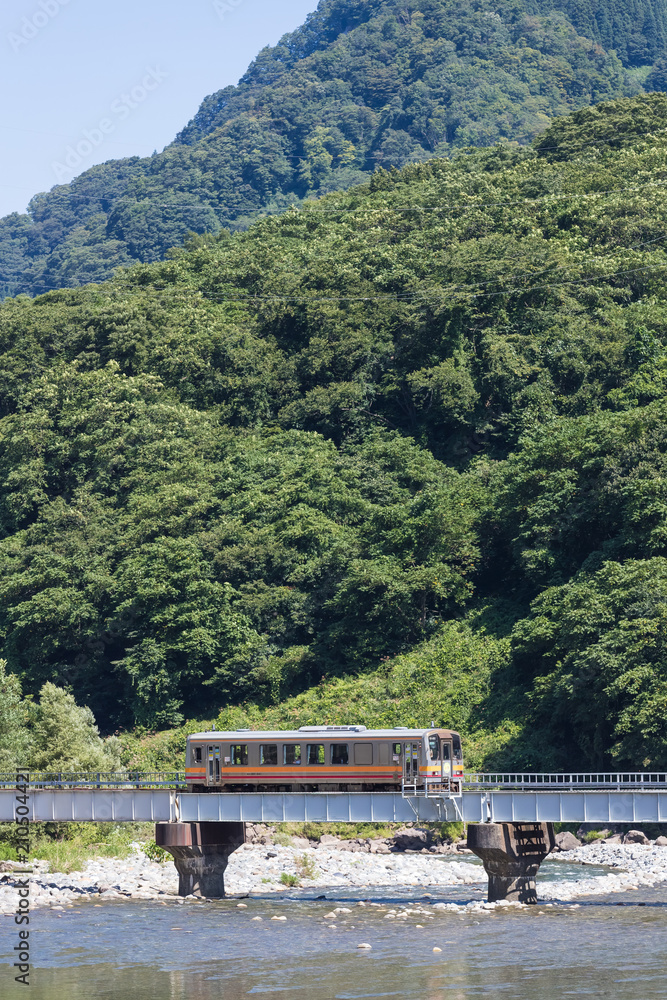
(512, 854)
(201, 854)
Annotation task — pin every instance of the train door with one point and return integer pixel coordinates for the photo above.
(411, 760)
(447, 756)
(213, 772)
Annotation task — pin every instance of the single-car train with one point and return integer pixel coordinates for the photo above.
(324, 758)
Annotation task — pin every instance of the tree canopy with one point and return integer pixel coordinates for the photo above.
(300, 455)
(362, 84)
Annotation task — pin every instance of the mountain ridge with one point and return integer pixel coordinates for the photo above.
(364, 83)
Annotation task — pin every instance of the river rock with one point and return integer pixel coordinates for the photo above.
(636, 837)
(566, 841)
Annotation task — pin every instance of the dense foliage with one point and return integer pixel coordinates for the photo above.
(51, 733)
(364, 83)
(397, 454)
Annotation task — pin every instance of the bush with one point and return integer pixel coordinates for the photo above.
(306, 867)
(155, 853)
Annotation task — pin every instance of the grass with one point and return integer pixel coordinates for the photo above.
(359, 831)
(67, 847)
(291, 880)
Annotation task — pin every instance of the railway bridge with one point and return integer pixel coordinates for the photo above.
(511, 815)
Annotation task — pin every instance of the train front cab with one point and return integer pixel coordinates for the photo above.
(434, 762)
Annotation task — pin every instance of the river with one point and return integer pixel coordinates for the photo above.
(612, 946)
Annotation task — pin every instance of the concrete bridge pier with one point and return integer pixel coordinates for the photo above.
(201, 853)
(512, 854)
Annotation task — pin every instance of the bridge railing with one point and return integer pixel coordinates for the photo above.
(95, 779)
(473, 781)
(525, 780)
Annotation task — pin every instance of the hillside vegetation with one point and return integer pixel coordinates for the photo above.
(362, 84)
(396, 455)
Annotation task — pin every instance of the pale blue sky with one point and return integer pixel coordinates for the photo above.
(67, 64)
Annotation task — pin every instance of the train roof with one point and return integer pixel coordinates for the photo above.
(324, 732)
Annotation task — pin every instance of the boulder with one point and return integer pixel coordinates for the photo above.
(327, 839)
(566, 841)
(636, 837)
(301, 842)
(259, 833)
(352, 845)
(600, 832)
(379, 847)
(413, 839)
(661, 842)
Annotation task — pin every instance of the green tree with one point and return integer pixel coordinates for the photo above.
(15, 741)
(66, 738)
(598, 647)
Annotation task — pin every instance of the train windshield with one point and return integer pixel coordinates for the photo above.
(456, 739)
(434, 747)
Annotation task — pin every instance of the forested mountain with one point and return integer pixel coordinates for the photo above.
(422, 419)
(364, 83)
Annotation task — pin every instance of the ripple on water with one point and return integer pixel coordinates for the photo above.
(200, 951)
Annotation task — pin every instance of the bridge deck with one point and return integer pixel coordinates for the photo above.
(163, 805)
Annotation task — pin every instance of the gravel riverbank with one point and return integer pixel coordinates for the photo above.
(633, 866)
(257, 868)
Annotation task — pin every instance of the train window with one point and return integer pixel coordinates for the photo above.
(340, 753)
(445, 750)
(268, 753)
(456, 739)
(197, 753)
(434, 747)
(396, 750)
(239, 754)
(292, 753)
(315, 753)
(363, 753)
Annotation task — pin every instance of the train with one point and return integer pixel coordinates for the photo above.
(324, 758)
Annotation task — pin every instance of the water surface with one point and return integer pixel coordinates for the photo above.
(178, 951)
